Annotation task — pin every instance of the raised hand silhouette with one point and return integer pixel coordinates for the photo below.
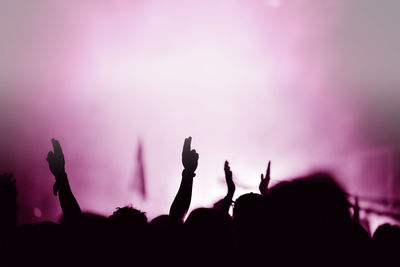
(56, 164)
(182, 200)
(263, 187)
(231, 188)
(228, 178)
(190, 157)
(69, 205)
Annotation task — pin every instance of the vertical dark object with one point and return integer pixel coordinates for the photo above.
(139, 179)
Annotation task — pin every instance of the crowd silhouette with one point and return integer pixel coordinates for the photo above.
(305, 221)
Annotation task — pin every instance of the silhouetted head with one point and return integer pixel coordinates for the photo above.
(385, 245)
(208, 237)
(309, 219)
(129, 220)
(387, 235)
(209, 225)
(248, 225)
(247, 209)
(314, 201)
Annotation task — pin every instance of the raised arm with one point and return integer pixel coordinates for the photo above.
(226, 204)
(68, 203)
(182, 200)
(263, 187)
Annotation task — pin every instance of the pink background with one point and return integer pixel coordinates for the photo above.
(307, 84)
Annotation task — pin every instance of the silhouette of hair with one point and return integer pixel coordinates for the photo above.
(128, 217)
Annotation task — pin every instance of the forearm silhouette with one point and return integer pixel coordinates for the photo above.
(68, 203)
(226, 204)
(182, 200)
(263, 187)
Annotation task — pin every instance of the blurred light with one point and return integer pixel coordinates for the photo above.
(37, 212)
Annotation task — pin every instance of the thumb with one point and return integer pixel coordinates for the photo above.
(50, 156)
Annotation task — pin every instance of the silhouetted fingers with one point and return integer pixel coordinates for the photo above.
(56, 147)
(195, 154)
(262, 177)
(228, 172)
(50, 156)
(226, 166)
(268, 175)
(187, 145)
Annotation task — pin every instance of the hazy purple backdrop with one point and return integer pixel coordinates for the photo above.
(308, 84)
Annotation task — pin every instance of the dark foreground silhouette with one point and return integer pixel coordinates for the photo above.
(305, 221)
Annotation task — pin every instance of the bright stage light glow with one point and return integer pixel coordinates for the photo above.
(217, 75)
(165, 49)
(171, 69)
